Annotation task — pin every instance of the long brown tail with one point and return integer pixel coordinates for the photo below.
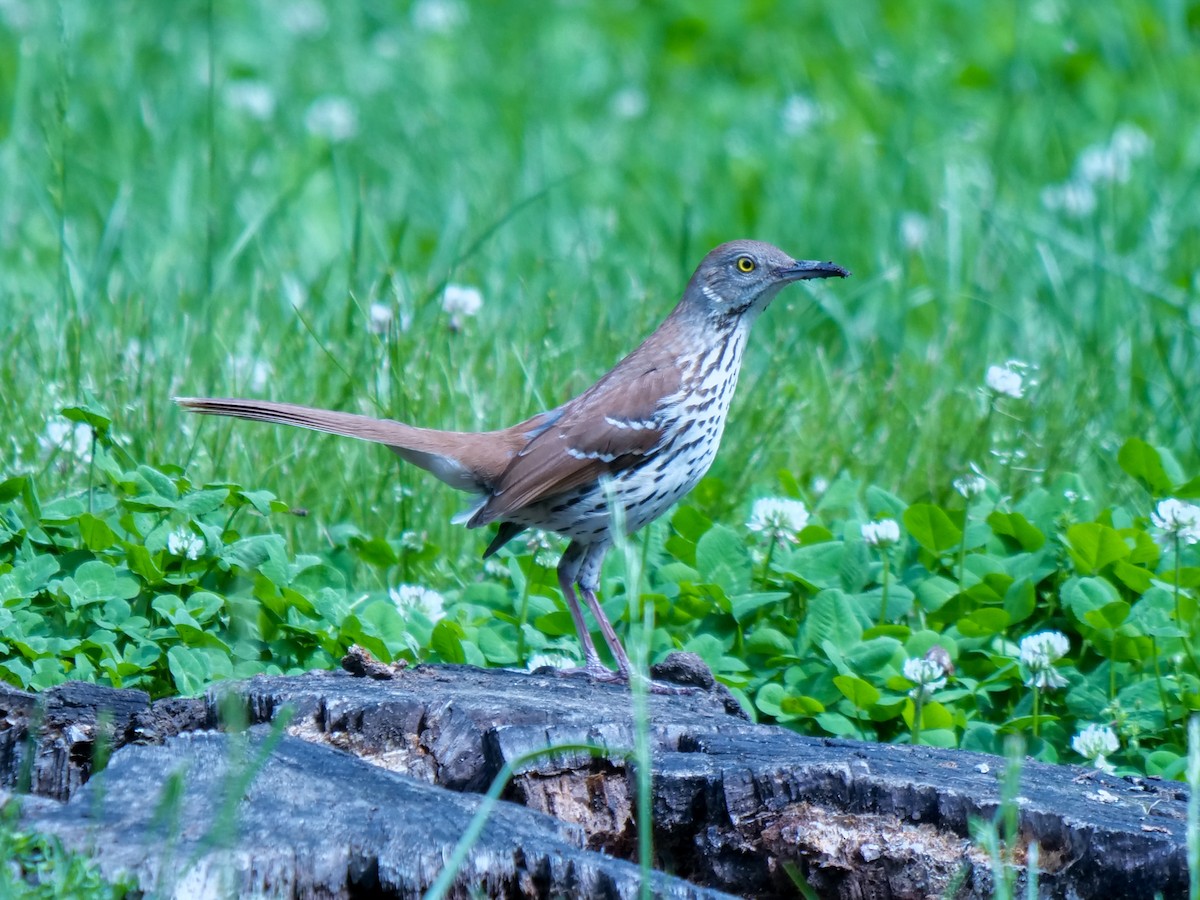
(469, 461)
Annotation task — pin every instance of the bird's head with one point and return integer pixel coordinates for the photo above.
(742, 277)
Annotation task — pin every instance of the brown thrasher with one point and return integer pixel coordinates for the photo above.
(641, 436)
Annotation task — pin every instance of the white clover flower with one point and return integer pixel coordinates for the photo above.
(1130, 141)
(556, 660)
(304, 18)
(462, 300)
(256, 373)
(332, 118)
(495, 567)
(1095, 742)
(1075, 198)
(1098, 163)
(381, 317)
(914, 229)
(629, 103)
(1046, 12)
(544, 548)
(778, 518)
(411, 598)
(799, 114)
(1005, 380)
(255, 98)
(1107, 163)
(883, 533)
(927, 674)
(970, 485)
(1113, 161)
(438, 16)
(1177, 519)
(1038, 653)
(185, 542)
(74, 438)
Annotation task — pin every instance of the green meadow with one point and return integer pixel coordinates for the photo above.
(457, 214)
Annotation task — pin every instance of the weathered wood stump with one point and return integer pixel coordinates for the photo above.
(376, 780)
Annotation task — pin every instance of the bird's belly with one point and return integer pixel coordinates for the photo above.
(644, 492)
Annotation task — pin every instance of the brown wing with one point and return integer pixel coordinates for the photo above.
(612, 426)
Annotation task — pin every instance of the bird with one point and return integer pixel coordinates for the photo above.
(641, 437)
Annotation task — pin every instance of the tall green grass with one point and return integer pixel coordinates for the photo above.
(177, 219)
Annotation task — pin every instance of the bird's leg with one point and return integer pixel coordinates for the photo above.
(588, 581)
(580, 566)
(592, 663)
(568, 574)
(610, 636)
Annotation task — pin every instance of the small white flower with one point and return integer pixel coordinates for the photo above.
(1095, 742)
(883, 533)
(380, 317)
(1098, 163)
(438, 16)
(255, 98)
(779, 518)
(495, 567)
(1004, 380)
(304, 18)
(970, 485)
(185, 542)
(415, 598)
(926, 674)
(1130, 141)
(556, 660)
(1046, 12)
(254, 372)
(1038, 653)
(629, 103)
(544, 547)
(1177, 518)
(332, 118)
(1075, 198)
(1113, 161)
(914, 229)
(461, 301)
(799, 115)
(74, 438)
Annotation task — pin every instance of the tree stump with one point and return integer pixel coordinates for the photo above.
(374, 780)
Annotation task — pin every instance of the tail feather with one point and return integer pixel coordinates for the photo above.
(468, 461)
(366, 428)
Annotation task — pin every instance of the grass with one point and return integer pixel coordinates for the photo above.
(164, 240)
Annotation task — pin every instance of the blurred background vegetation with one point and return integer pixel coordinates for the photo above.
(269, 199)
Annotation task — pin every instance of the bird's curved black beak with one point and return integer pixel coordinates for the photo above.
(803, 269)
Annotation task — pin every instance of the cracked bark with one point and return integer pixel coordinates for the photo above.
(736, 806)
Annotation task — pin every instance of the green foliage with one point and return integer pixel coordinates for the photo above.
(36, 867)
(145, 580)
(577, 199)
(806, 645)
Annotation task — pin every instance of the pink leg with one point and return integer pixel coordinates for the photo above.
(610, 636)
(592, 664)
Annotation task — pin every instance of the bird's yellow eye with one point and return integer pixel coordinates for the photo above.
(745, 264)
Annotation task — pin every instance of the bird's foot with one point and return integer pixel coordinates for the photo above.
(596, 671)
(602, 674)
